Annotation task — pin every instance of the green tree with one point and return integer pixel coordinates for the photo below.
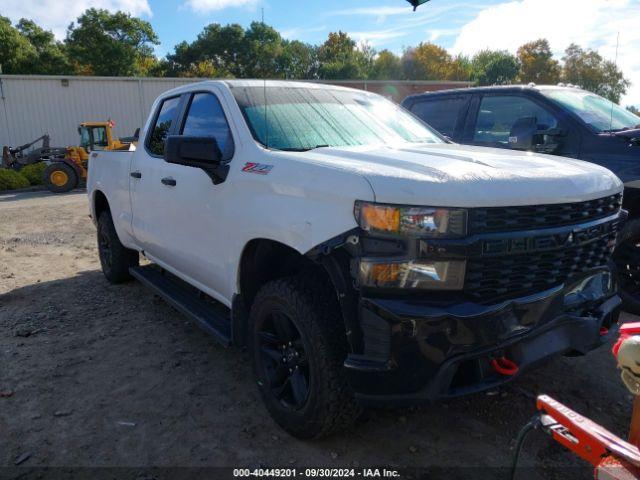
(263, 49)
(460, 68)
(589, 70)
(104, 43)
(15, 50)
(427, 61)
(223, 47)
(537, 63)
(365, 55)
(634, 110)
(298, 60)
(387, 66)
(339, 58)
(50, 56)
(494, 67)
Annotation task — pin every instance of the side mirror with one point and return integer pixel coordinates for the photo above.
(197, 152)
(522, 133)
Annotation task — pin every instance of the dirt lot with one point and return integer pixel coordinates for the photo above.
(110, 376)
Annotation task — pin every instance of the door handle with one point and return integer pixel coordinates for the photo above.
(136, 174)
(168, 181)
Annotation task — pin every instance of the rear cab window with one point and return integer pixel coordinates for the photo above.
(442, 112)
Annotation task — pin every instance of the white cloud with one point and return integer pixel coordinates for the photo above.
(204, 6)
(377, 37)
(589, 23)
(56, 15)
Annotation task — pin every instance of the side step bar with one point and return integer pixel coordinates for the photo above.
(187, 300)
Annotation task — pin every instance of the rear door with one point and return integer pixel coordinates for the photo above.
(445, 113)
(148, 168)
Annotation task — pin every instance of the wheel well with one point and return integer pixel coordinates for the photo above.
(265, 260)
(100, 204)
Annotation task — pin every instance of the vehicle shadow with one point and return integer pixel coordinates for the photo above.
(111, 375)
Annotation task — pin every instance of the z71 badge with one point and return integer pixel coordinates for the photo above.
(259, 168)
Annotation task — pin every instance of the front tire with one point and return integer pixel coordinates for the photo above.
(298, 346)
(115, 258)
(626, 258)
(60, 177)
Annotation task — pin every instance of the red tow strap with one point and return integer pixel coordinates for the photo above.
(504, 366)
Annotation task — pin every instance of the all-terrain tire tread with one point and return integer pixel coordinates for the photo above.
(122, 258)
(318, 310)
(631, 229)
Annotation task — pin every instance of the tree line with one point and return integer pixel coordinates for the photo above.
(118, 44)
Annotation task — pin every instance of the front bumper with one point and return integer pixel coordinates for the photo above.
(419, 350)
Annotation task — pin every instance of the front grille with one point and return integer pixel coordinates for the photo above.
(511, 219)
(510, 276)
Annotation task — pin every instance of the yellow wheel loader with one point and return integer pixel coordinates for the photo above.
(67, 166)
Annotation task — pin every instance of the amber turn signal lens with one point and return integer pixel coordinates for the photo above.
(384, 273)
(381, 218)
(423, 274)
(411, 221)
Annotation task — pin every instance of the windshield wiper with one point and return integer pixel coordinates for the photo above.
(303, 149)
(623, 129)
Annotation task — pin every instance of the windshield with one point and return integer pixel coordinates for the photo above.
(301, 119)
(596, 111)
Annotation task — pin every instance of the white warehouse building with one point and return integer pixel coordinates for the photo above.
(32, 105)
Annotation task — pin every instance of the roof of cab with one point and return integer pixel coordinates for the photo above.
(283, 84)
(487, 89)
(257, 83)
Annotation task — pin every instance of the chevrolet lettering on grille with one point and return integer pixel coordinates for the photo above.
(575, 236)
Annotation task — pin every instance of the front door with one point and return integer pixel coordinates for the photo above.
(497, 115)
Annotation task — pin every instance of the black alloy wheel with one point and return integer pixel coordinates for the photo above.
(298, 347)
(104, 247)
(115, 258)
(283, 359)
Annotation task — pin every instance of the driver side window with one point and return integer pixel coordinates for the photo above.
(205, 118)
(498, 115)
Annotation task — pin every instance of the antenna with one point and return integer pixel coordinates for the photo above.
(616, 65)
(264, 90)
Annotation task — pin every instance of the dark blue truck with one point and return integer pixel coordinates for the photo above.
(557, 120)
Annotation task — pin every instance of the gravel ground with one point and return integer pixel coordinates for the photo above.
(95, 375)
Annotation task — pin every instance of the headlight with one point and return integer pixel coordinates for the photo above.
(423, 274)
(414, 221)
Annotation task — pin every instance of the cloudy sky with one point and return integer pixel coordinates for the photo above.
(460, 25)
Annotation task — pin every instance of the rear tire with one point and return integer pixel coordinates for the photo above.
(115, 258)
(60, 177)
(301, 378)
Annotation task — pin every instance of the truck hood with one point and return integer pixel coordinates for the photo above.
(466, 176)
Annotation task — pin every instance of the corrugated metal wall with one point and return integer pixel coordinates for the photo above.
(33, 105)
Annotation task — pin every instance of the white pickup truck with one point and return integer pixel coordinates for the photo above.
(359, 256)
